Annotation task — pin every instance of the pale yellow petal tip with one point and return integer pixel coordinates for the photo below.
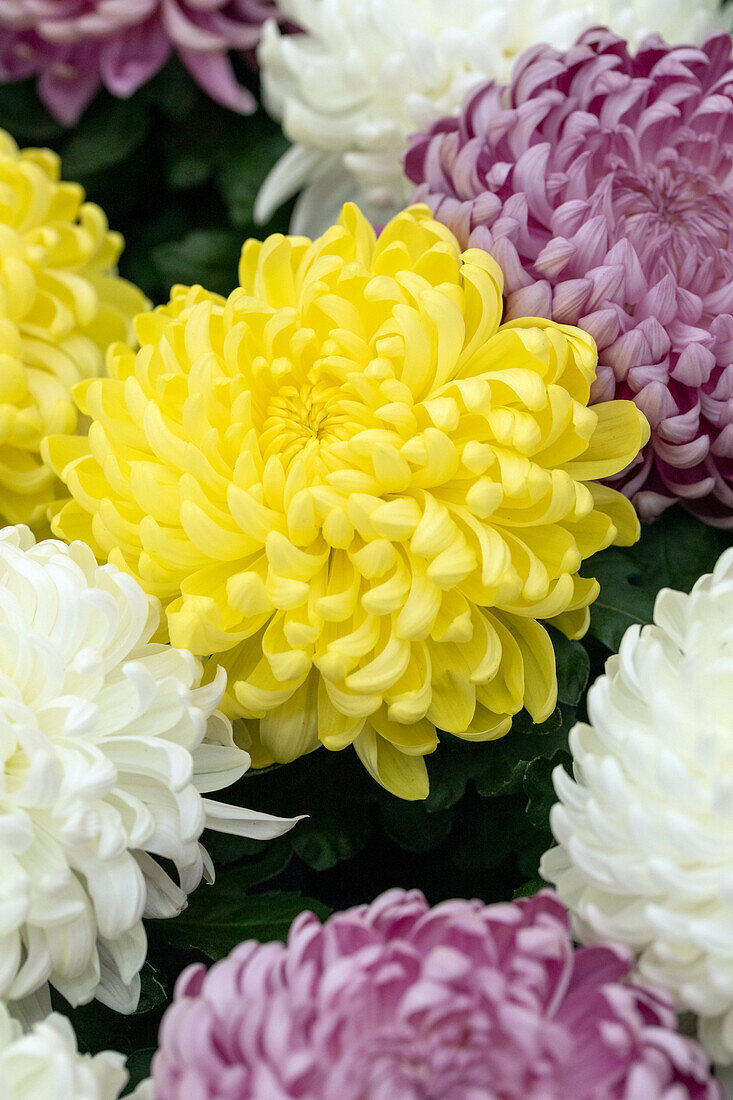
(541, 698)
(353, 219)
(476, 257)
(574, 624)
(420, 211)
(621, 512)
(626, 521)
(357, 225)
(406, 777)
(414, 787)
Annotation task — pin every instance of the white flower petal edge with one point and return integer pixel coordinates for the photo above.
(645, 828)
(44, 1064)
(364, 76)
(107, 743)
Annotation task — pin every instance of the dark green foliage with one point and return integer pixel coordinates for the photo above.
(174, 172)
(673, 552)
(220, 916)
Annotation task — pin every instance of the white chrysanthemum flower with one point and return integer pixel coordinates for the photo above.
(107, 743)
(45, 1064)
(364, 76)
(645, 831)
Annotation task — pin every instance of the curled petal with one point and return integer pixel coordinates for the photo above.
(357, 491)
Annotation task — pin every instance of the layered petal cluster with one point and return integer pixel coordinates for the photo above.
(364, 76)
(602, 181)
(396, 999)
(74, 47)
(357, 489)
(107, 743)
(645, 829)
(61, 305)
(45, 1064)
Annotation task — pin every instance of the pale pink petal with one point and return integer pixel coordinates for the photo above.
(73, 46)
(129, 60)
(396, 1001)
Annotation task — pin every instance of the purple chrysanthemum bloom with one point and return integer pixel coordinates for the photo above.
(76, 46)
(603, 184)
(398, 1001)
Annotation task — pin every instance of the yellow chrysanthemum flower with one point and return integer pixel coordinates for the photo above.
(358, 489)
(61, 305)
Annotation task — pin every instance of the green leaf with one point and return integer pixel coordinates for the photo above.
(410, 826)
(100, 1028)
(257, 860)
(486, 832)
(23, 115)
(507, 759)
(529, 889)
(622, 600)
(330, 837)
(673, 552)
(152, 990)
(138, 262)
(138, 1067)
(190, 164)
(677, 549)
(111, 131)
(573, 667)
(219, 917)
(243, 173)
(175, 92)
(538, 788)
(332, 788)
(205, 256)
(450, 768)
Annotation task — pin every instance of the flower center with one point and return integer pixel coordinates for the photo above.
(669, 210)
(301, 418)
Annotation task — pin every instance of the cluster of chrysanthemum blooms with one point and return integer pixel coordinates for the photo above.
(349, 495)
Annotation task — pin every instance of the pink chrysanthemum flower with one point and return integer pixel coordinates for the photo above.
(398, 1001)
(76, 46)
(603, 184)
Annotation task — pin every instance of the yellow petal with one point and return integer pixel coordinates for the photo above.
(402, 775)
(291, 730)
(621, 432)
(348, 479)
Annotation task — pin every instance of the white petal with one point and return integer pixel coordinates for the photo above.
(113, 738)
(241, 822)
(645, 827)
(285, 180)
